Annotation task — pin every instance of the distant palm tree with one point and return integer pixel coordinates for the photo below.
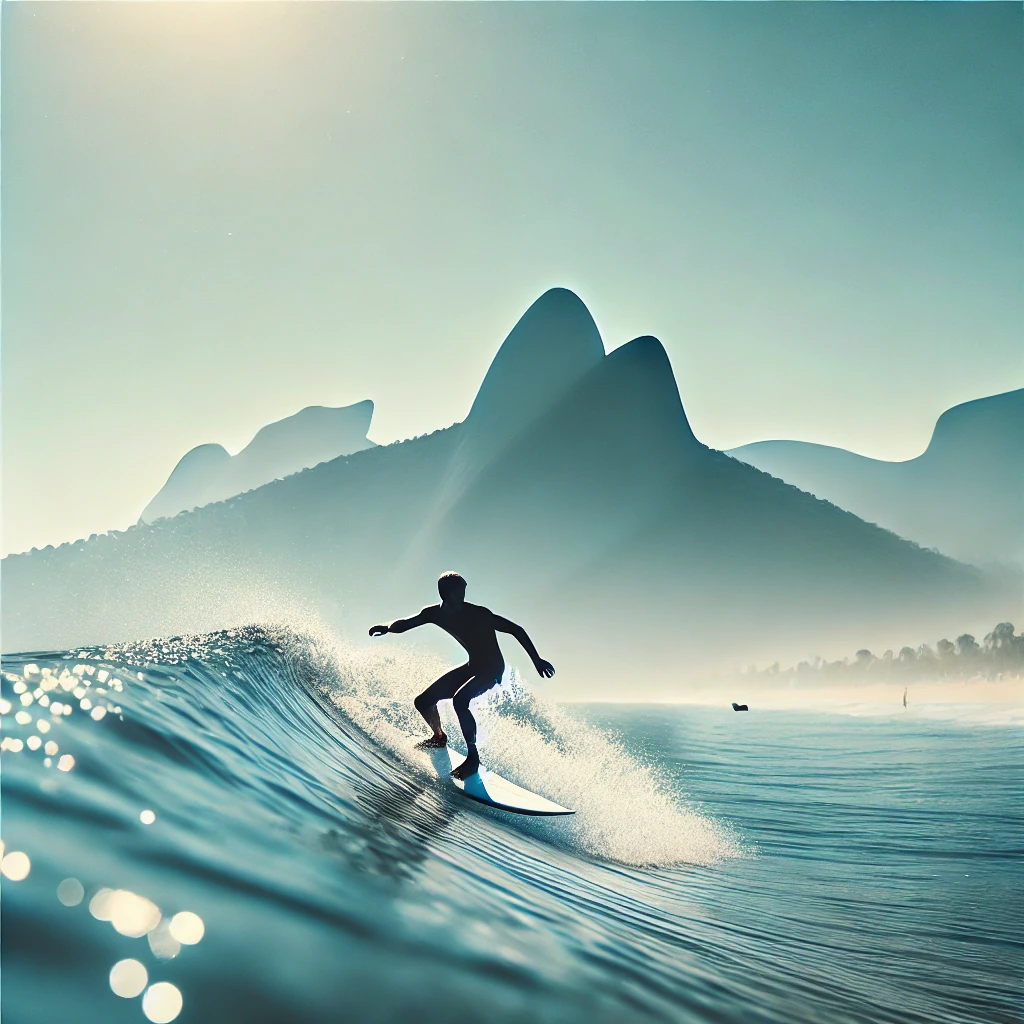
(1000, 638)
(967, 646)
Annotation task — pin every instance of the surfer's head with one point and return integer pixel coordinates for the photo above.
(452, 587)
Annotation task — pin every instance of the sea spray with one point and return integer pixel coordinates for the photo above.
(626, 812)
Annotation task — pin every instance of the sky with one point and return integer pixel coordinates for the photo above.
(214, 215)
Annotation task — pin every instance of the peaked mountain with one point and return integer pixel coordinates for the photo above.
(964, 495)
(208, 473)
(552, 346)
(575, 498)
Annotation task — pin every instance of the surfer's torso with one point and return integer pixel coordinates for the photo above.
(473, 626)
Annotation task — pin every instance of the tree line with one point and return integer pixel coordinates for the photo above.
(1000, 654)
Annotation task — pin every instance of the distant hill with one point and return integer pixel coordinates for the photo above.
(314, 435)
(964, 495)
(575, 498)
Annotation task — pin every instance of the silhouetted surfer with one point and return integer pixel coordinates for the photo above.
(475, 628)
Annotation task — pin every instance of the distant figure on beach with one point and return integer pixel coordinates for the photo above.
(475, 628)
(904, 696)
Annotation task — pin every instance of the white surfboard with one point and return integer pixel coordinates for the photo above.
(492, 789)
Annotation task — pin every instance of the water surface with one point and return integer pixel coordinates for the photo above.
(768, 866)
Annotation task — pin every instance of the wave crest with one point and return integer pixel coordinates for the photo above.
(626, 811)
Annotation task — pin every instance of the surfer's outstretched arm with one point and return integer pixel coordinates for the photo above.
(503, 625)
(401, 625)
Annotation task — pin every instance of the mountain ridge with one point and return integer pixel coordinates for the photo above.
(602, 519)
(209, 473)
(964, 495)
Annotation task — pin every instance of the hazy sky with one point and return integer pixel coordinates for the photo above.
(214, 215)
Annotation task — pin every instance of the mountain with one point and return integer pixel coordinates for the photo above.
(574, 497)
(552, 346)
(964, 495)
(314, 435)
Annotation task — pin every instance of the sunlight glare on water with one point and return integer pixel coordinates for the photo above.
(720, 868)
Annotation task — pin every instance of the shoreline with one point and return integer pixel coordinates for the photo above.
(985, 701)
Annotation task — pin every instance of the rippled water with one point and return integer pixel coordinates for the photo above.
(762, 867)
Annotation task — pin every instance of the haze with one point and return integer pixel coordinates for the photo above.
(215, 215)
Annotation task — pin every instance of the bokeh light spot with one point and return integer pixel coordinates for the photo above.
(187, 928)
(16, 865)
(133, 915)
(66, 763)
(162, 1002)
(147, 817)
(70, 892)
(128, 978)
(163, 944)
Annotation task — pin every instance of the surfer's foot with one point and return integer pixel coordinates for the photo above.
(468, 767)
(433, 742)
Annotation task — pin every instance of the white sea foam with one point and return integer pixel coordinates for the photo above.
(625, 811)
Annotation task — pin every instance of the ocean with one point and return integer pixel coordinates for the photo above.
(238, 827)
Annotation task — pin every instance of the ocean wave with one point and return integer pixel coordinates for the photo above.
(626, 811)
(265, 781)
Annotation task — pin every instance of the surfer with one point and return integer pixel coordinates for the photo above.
(475, 628)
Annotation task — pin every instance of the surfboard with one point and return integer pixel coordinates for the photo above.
(489, 788)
